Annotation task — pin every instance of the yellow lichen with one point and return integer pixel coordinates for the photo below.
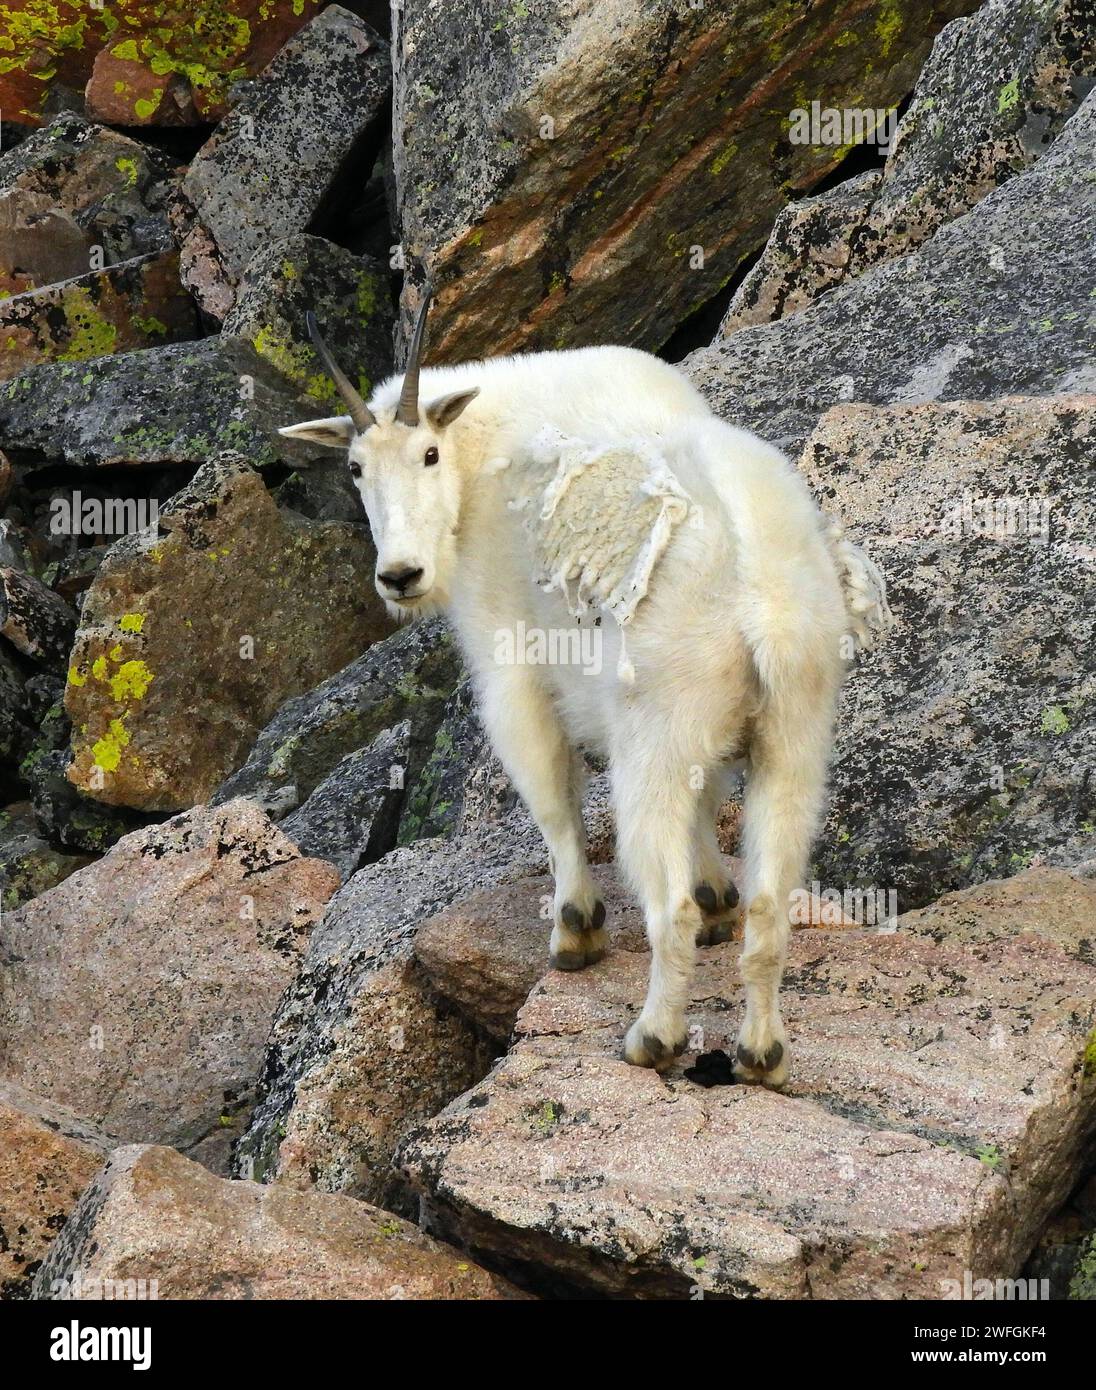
(132, 622)
(107, 751)
(131, 681)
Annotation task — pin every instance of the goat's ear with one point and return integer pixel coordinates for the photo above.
(335, 432)
(445, 409)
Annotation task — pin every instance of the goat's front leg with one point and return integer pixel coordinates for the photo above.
(531, 744)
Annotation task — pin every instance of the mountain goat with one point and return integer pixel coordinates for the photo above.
(595, 488)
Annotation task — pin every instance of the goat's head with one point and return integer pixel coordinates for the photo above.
(404, 467)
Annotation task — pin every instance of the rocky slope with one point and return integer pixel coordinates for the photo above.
(275, 1017)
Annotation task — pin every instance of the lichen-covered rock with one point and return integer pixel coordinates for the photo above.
(351, 300)
(964, 744)
(178, 404)
(228, 584)
(352, 817)
(35, 620)
(144, 64)
(154, 1215)
(939, 1110)
(996, 90)
(138, 303)
(28, 864)
(17, 730)
(139, 992)
(47, 1158)
(611, 144)
(408, 675)
(270, 165)
(998, 300)
(71, 187)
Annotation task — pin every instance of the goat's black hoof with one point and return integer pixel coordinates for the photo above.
(574, 918)
(730, 896)
(567, 960)
(769, 1062)
(712, 933)
(705, 898)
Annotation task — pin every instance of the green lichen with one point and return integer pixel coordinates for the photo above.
(889, 25)
(1090, 1057)
(149, 325)
(1054, 720)
(295, 361)
(128, 168)
(990, 1155)
(720, 162)
(1082, 1285)
(1008, 96)
(90, 334)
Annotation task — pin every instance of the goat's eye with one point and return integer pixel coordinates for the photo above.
(355, 469)
(431, 456)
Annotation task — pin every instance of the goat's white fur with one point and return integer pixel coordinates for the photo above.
(736, 647)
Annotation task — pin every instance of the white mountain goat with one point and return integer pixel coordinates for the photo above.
(540, 492)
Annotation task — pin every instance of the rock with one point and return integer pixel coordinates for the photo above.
(16, 717)
(229, 583)
(34, 619)
(487, 951)
(178, 404)
(938, 1113)
(312, 118)
(363, 1046)
(542, 208)
(12, 552)
(169, 60)
(996, 90)
(964, 743)
(28, 865)
(351, 819)
(1064, 1261)
(155, 1215)
(47, 1158)
(7, 478)
(996, 302)
(64, 815)
(408, 675)
(71, 187)
(350, 297)
(139, 992)
(137, 303)
(1063, 905)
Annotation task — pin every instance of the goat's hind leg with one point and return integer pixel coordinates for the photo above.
(713, 890)
(785, 791)
(656, 812)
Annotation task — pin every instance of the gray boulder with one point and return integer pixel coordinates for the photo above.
(996, 90)
(314, 115)
(964, 743)
(998, 301)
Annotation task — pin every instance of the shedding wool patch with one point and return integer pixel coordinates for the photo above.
(599, 519)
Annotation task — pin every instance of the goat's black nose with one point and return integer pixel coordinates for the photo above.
(400, 579)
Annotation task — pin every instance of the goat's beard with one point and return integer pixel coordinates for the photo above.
(429, 606)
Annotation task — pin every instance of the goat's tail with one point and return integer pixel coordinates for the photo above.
(864, 587)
